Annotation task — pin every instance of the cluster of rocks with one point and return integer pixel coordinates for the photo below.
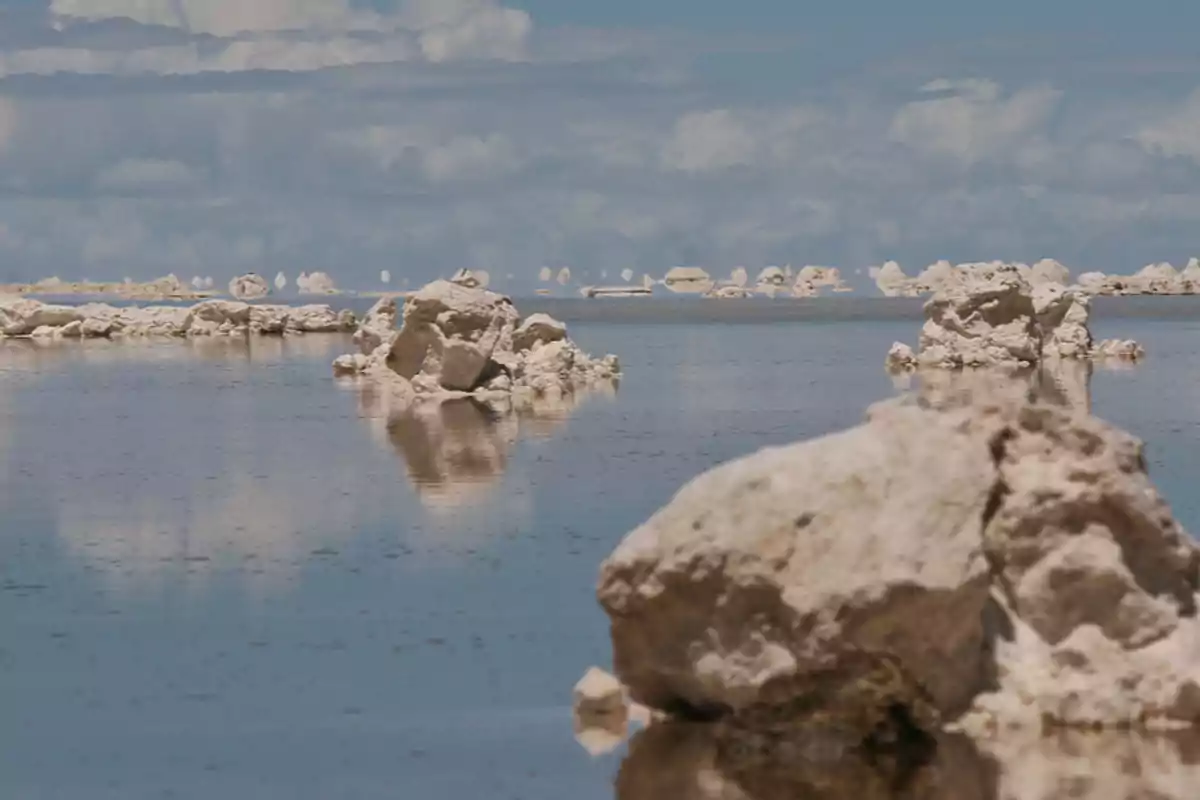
(455, 340)
(965, 561)
(168, 287)
(944, 276)
(1004, 320)
(25, 317)
(315, 283)
(1162, 279)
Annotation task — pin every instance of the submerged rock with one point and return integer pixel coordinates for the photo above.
(249, 287)
(973, 556)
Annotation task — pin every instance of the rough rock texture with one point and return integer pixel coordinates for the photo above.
(942, 276)
(378, 326)
(728, 292)
(598, 695)
(27, 317)
(892, 282)
(166, 287)
(1160, 279)
(1004, 321)
(472, 279)
(1011, 557)
(315, 283)
(461, 340)
(249, 287)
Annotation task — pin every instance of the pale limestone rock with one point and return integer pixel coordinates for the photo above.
(538, 328)
(545, 274)
(985, 324)
(728, 292)
(317, 318)
(1062, 320)
(900, 357)
(378, 327)
(688, 280)
(892, 282)
(738, 277)
(22, 316)
(1013, 556)
(627, 274)
(598, 695)
(281, 281)
(771, 276)
(1118, 349)
(564, 276)
(315, 283)
(472, 279)
(248, 287)
(1049, 271)
(790, 560)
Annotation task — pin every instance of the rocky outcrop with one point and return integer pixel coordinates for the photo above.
(168, 287)
(1160, 279)
(1004, 321)
(811, 280)
(249, 287)
(472, 279)
(976, 558)
(688, 280)
(315, 283)
(27, 317)
(942, 276)
(458, 340)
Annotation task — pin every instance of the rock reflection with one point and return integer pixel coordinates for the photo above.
(1065, 382)
(694, 761)
(690, 760)
(456, 450)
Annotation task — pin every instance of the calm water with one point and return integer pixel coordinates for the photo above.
(223, 576)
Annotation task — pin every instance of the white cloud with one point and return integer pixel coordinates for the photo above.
(8, 121)
(974, 122)
(708, 141)
(1177, 133)
(439, 157)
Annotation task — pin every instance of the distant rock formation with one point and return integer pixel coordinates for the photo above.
(472, 279)
(281, 281)
(455, 340)
(1002, 320)
(315, 283)
(627, 274)
(168, 287)
(25, 317)
(249, 287)
(688, 280)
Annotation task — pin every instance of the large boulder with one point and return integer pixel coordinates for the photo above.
(22, 316)
(249, 287)
(378, 327)
(968, 552)
(985, 323)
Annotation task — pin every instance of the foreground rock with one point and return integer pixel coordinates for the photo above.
(249, 287)
(973, 558)
(28, 317)
(1005, 321)
(458, 340)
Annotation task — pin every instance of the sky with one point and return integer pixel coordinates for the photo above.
(215, 137)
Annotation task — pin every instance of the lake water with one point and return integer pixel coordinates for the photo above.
(223, 576)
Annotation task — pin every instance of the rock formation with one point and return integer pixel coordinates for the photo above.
(977, 559)
(1161, 279)
(627, 274)
(942, 276)
(28, 317)
(281, 281)
(168, 287)
(249, 287)
(456, 340)
(564, 276)
(688, 280)
(472, 279)
(1004, 321)
(385, 276)
(315, 283)
(739, 277)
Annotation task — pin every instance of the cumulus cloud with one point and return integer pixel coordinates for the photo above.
(969, 121)
(708, 141)
(290, 35)
(1177, 133)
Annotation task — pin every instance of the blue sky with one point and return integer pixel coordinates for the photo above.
(211, 137)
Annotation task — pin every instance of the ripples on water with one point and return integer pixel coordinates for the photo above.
(224, 574)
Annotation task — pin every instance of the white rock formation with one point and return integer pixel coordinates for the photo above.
(197, 283)
(728, 292)
(248, 287)
(545, 274)
(687, 280)
(627, 274)
(739, 277)
(27, 317)
(315, 283)
(1003, 321)
(1049, 271)
(892, 281)
(770, 276)
(598, 696)
(1008, 563)
(385, 276)
(472, 279)
(455, 341)
(280, 281)
(564, 276)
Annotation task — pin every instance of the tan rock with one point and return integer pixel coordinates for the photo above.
(249, 287)
(538, 328)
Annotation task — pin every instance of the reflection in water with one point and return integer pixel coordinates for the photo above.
(671, 760)
(1065, 382)
(456, 450)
